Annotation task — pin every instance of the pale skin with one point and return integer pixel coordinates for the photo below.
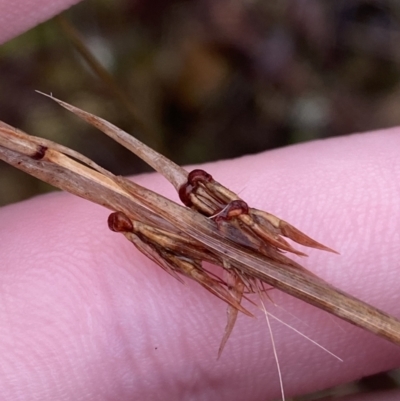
(84, 316)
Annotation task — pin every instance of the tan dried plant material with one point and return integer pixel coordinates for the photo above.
(214, 226)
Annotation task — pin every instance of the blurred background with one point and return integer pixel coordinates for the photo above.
(202, 80)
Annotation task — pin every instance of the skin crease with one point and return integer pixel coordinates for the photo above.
(86, 317)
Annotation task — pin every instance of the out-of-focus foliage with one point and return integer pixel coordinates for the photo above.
(210, 79)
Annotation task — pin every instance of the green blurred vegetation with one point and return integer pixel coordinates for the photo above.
(204, 80)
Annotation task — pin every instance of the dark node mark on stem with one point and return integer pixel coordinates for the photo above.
(119, 222)
(194, 178)
(231, 210)
(40, 152)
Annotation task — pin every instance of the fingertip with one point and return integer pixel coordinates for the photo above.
(18, 16)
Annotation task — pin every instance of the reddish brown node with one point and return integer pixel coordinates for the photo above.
(194, 178)
(184, 194)
(232, 209)
(119, 222)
